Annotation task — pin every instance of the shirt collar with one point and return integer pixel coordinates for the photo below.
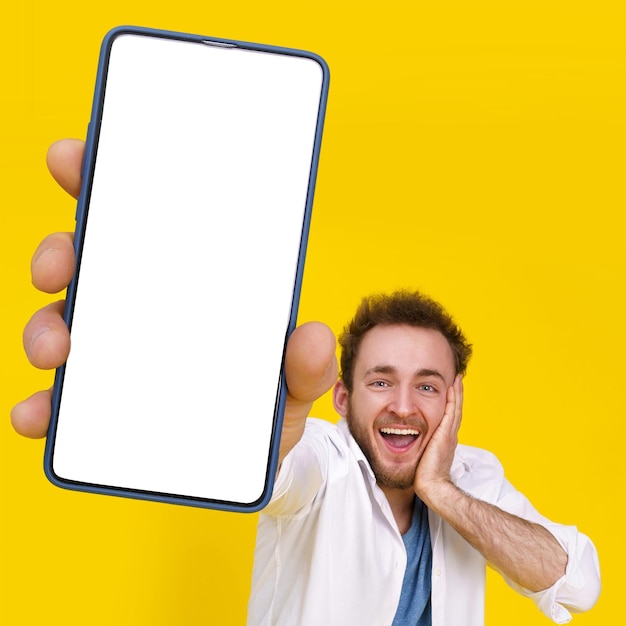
(355, 449)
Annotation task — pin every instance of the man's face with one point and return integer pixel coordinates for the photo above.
(401, 378)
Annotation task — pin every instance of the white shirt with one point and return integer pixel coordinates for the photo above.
(329, 552)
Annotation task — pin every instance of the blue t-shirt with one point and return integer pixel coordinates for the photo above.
(414, 608)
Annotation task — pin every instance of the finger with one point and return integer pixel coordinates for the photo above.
(458, 401)
(65, 160)
(52, 266)
(32, 416)
(451, 421)
(311, 370)
(450, 409)
(310, 362)
(46, 337)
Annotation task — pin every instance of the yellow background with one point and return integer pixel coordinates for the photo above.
(474, 150)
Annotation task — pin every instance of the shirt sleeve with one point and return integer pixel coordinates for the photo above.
(481, 474)
(578, 590)
(301, 475)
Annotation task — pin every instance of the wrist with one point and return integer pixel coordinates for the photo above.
(439, 495)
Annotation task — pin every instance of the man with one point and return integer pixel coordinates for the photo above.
(383, 518)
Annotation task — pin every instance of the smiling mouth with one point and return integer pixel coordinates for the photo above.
(399, 438)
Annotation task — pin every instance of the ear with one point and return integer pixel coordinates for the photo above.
(340, 398)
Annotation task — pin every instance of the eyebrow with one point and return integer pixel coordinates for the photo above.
(390, 369)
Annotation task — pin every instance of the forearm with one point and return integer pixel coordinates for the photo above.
(523, 551)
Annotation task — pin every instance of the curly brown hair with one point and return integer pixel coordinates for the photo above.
(400, 307)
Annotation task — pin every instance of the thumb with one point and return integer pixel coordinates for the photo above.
(310, 363)
(310, 370)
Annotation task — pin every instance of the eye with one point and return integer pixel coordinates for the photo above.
(379, 384)
(426, 387)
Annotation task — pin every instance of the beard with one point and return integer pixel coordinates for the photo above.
(387, 475)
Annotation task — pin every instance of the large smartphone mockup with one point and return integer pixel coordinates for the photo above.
(191, 233)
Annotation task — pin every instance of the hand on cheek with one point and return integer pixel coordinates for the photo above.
(434, 466)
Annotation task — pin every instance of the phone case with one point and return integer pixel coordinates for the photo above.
(87, 450)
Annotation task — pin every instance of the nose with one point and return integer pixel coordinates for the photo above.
(403, 402)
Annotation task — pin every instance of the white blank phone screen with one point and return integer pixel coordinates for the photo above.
(188, 269)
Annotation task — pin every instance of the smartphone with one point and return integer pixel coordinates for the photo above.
(191, 233)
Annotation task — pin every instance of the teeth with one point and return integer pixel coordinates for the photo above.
(399, 431)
